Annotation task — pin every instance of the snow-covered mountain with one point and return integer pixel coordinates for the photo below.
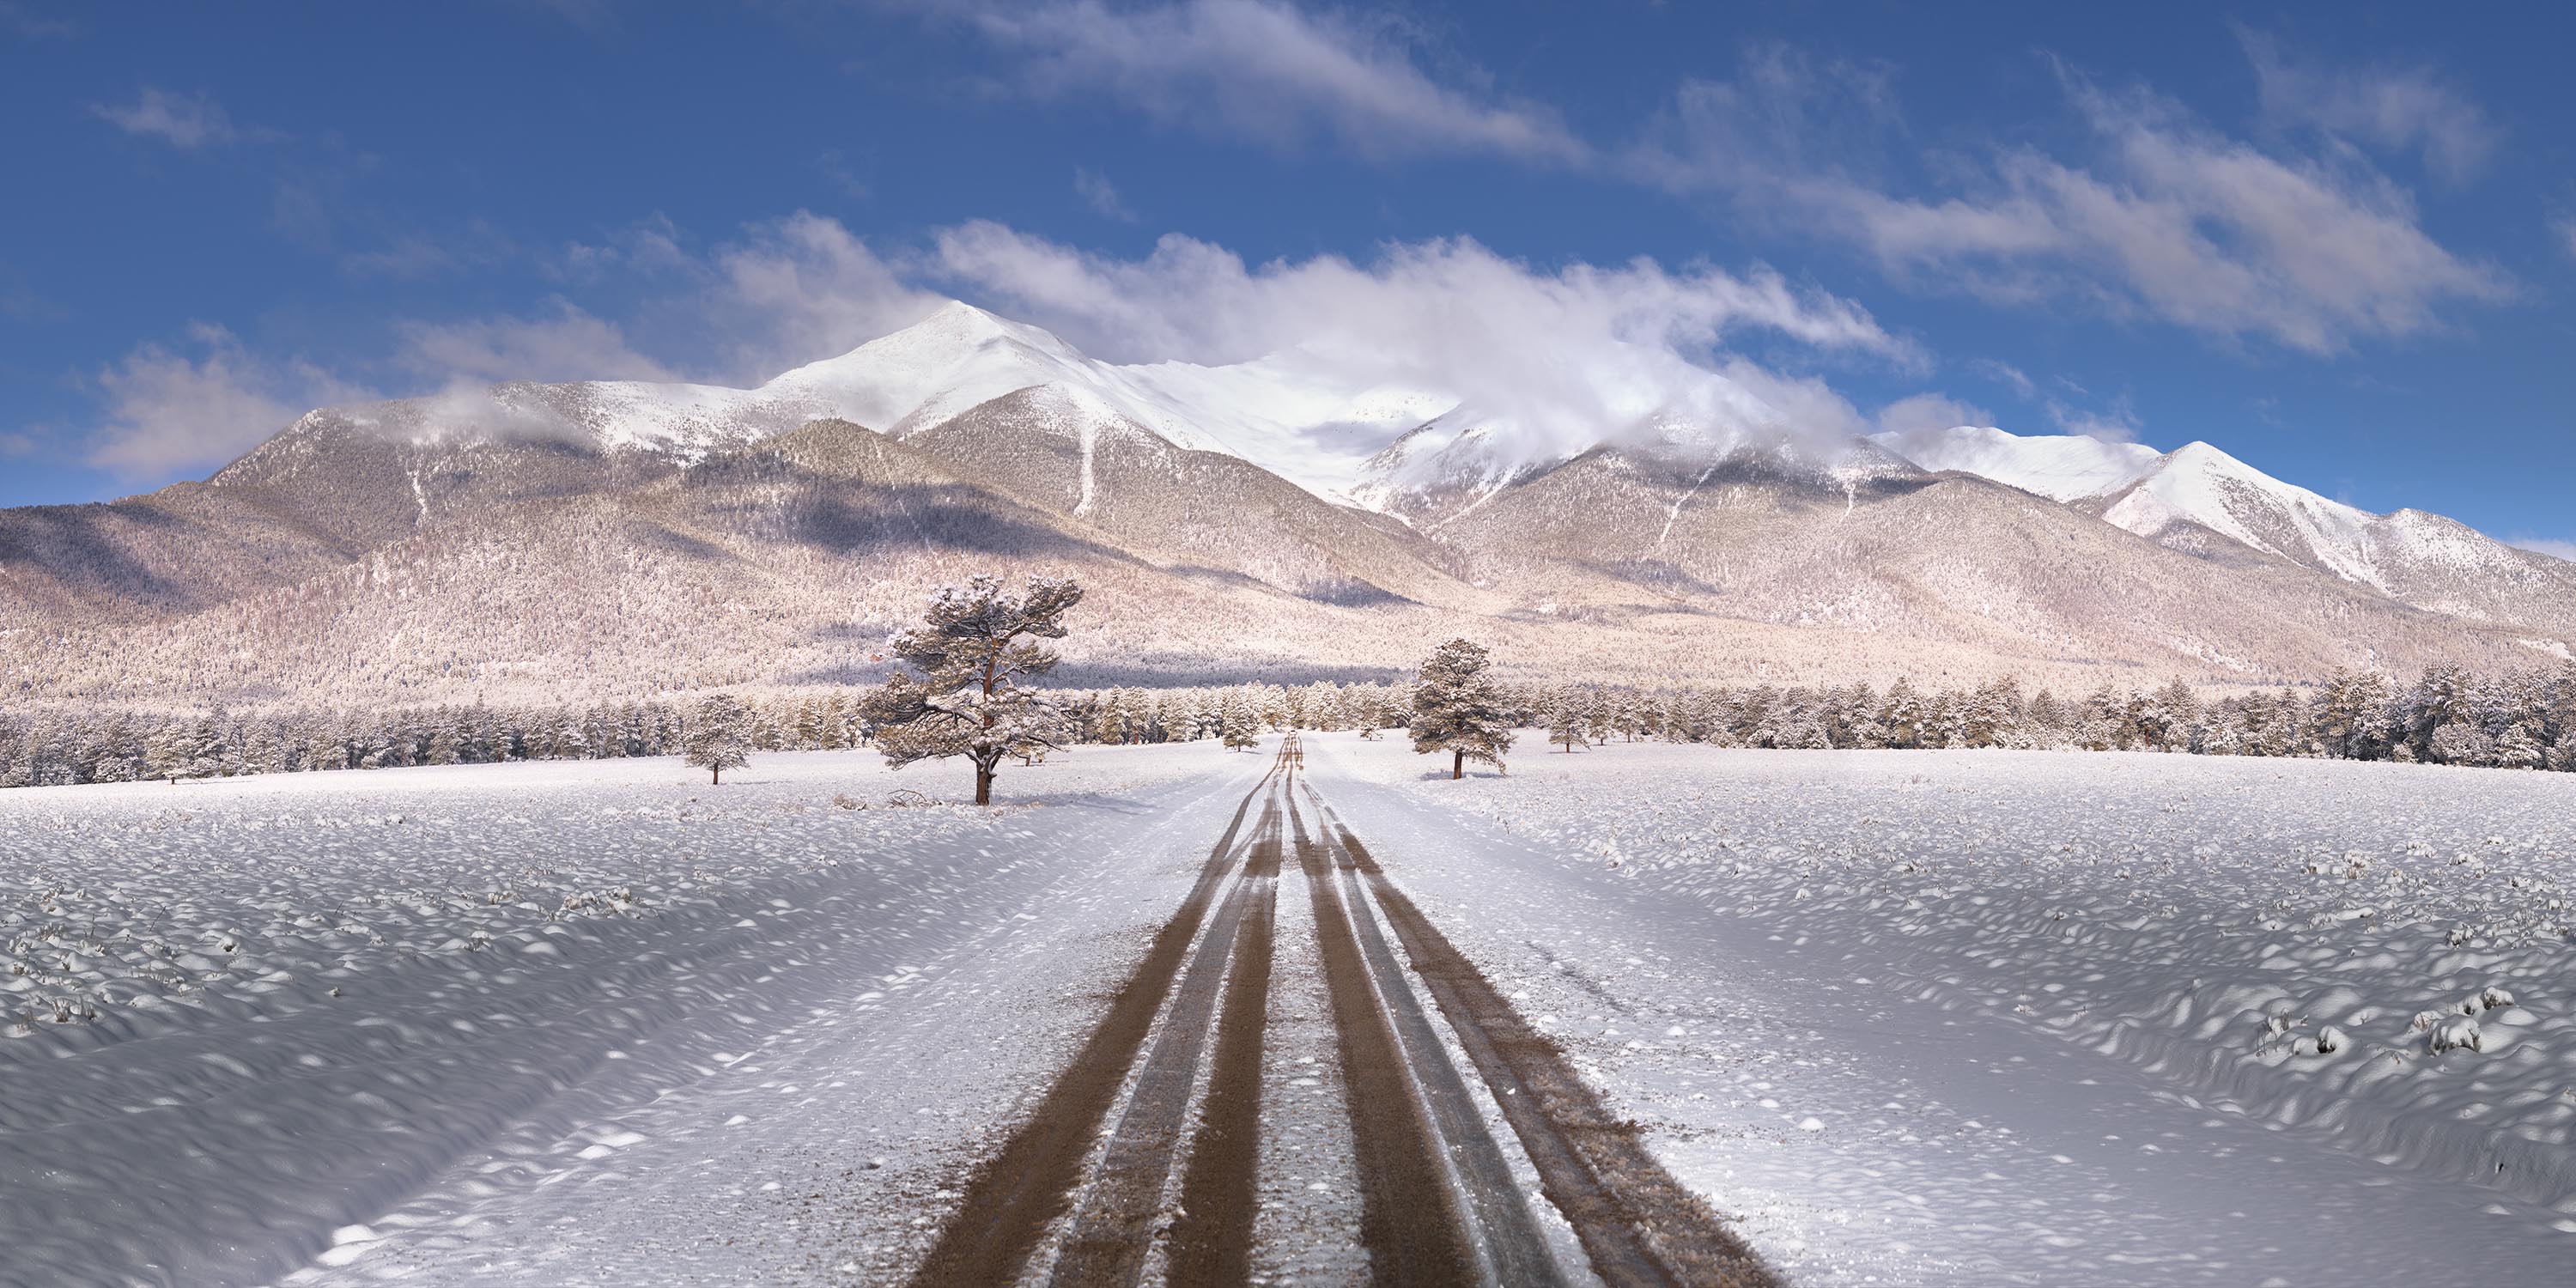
(1291, 413)
(2061, 467)
(1278, 514)
(2201, 500)
(1299, 414)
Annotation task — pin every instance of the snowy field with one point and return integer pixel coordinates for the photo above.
(562, 1023)
(2045, 1018)
(1914, 1017)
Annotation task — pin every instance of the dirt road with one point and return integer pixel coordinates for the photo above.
(1470, 1150)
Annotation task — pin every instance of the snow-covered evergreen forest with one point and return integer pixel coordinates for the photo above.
(2446, 715)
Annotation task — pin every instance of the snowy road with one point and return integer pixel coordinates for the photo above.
(1457, 1178)
(1179, 1016)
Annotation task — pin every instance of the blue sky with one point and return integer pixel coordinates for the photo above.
(2338, 241)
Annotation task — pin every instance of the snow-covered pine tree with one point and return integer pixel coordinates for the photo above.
(1598, 724)
(1240, 727)
(1460, 709)
(1565, 724)
(166, 751)
(973, 648)
(719, 736)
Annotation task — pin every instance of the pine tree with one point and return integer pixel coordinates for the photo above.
(1240, 726)
(1458, 708)
(974, 647)
(719, 736)
(166, 751)
(1565, 726)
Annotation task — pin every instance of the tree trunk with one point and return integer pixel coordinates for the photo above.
(983, 785)
(1457, 765)
(715, 776)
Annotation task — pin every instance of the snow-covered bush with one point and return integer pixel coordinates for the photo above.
(2456, 1033)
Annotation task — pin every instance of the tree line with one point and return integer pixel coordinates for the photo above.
(2446, 715)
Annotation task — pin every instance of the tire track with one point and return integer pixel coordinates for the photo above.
(1113, 1229)
(1639, 1227)
(1410, 1219)
(1510, 1249)
(1211, 1243)
(1440, 1204)
(1013, 1197)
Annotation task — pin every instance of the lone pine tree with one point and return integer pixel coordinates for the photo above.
(719, 736)
(1565, 727)
(1240, 729)
(1460, 709)
(973, 647)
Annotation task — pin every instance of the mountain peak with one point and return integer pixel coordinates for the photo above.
(2061, 467)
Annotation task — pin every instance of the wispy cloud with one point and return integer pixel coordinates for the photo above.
(202, 403)
(1199, 301)
(2153, 214)
(184, 121)
(1267, 71)
(2553, 547)
(2005, 374)
(836, 167)
(565, 343)
(1558, 358)
(2117, 423)
(23, 22)
(406, 255)
(2163, 217)
(1102, 196)
(2394, 108)
(1928, 414)
(1573, 351)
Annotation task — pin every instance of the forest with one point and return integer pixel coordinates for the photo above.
(2446, 715)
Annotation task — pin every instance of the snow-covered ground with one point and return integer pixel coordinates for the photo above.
(1940, 1017)
(564, 1023)
(2043, 1018)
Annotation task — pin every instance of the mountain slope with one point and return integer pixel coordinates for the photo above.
(2416, 558)
(1934, 560)
(1062, 448)
(2202, 501)
(604, 539)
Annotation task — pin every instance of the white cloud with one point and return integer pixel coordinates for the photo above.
(2115, 424)
(2398, 109)
(780, 293)
(798, 289)
(2005, 374)
(185, 121)
(1098, 193)
(1929, 414)
(2550, 546)
(167, 410)
(1576, 352)
(2155, 215)
(1265, 70)
(567, 345)
(1573, 353)
(2165, 218)
(1199, 301)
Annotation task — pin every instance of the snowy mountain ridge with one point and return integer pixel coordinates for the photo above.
(2061, 467)
(1301, 414)
(1423, 454)
(1284, 413)
(2180, 498)
(1304, 510)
